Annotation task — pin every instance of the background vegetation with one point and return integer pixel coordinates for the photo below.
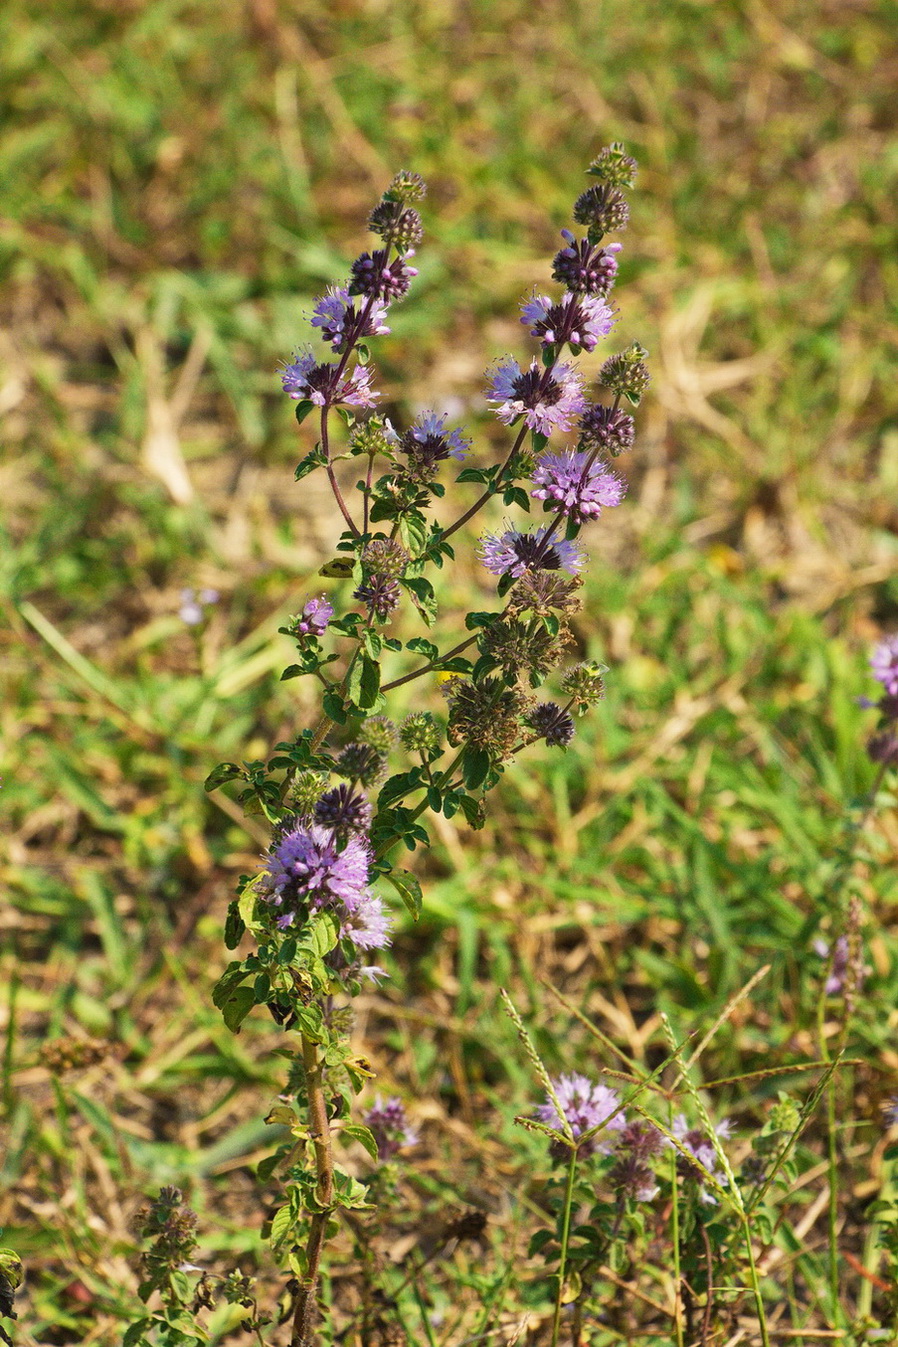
(181, 179)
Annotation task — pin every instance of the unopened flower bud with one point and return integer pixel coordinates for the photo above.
(607, 429)
(344, 810)
(585, 684)
(380, 733)
(380, 594)
(626, 374)
(420, 733)
(306, 789)
(385, 557)
(363, 763)
(614, 166)
(396, 224)
(601, 209)
(406, 187)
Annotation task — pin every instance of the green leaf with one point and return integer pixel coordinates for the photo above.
(234, 925)
(475, 767)
(409, 890)
(423, 647)
(413, 532)
(480, 620)
(422, 595)
(134, 1336)
(473, 475)
(334, 707)
(281, 1223)
(364, 683)
(316, 459)
(302, 409)
(356, 1132)
(225, 771)
(237, 1007)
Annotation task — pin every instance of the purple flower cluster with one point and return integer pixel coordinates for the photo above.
(577, 483)
(515, 553)
(193, 605)
(307, 380)
(583, 268)
(884, 664)
(336, 316)
(547, 400)
(426, 443)
(313, 619)
(581, 320)
(585, 1105)
(702, 1148)
(309, 871)
(386, 1120)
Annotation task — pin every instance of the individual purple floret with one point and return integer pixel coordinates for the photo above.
(884, 664)
(514, 553)
(547, 402)
(306, 380)
(577, 484)
(373, 275)
(307, 869)
(387, 1121)
(700, 1146)
(585, 1105)
(344, 810)
(368, 926)
(581, 320)
(584, 268)
(338, 319)
(313, 619)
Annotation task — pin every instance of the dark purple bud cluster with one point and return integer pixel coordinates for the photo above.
(552, 723)
(583, 268)
(344, 810)
(608, 429)
(373, 275)
(380, 594)
(601, 209)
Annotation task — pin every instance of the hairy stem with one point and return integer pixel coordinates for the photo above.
(565, 1240)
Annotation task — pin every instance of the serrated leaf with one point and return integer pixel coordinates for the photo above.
(364, 682)
(281, 1222)
(334, 707)
(225, 771)
(302, 409)
(423, 647)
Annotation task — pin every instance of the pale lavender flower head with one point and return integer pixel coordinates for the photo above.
(884, 664)
(427, 443)
(386, 1120)
(546, 402)
(699, 1145)
(336, 316)
(367, 925)
(306, 380)
(313, 619)
(579, 319)
(515, 553)
(307, 869)
(580, 488)
(585, 1105)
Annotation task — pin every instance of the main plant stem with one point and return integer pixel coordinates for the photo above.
(306, 1301)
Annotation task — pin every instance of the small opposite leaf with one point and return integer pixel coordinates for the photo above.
(409, 890)
(225, 771)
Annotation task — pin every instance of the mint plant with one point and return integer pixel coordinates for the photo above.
(342, 796)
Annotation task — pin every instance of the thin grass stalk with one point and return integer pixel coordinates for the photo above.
(565, 1240)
